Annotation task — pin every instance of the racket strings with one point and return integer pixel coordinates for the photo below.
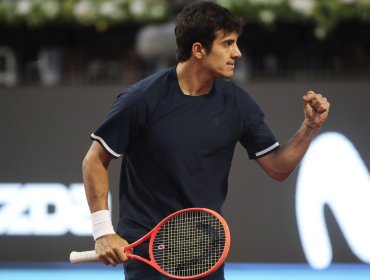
(189, 244)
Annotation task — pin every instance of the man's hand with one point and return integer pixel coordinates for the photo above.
(110, 249)
(316, 109)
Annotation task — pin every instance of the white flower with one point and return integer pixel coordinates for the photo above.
(267, 16)
(302, 6)
(23, 7)
(108, 8)
(137, 8)
(83, 8)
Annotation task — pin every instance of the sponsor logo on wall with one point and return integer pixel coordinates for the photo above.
(44, 209)
(333, 175)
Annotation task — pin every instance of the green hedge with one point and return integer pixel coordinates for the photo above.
(324, 14)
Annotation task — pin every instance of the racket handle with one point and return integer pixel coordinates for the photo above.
(86, 256)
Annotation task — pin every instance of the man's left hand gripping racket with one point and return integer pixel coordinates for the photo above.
(188, 244)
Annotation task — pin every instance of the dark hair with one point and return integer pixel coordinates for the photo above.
(198, 22)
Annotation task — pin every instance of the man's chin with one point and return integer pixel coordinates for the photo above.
(226, 75)
(229, 76)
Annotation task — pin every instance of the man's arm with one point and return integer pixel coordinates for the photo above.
(95, 176)
(280, 163)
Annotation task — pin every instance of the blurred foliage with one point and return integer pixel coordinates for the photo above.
(325, 15)
(99, 13)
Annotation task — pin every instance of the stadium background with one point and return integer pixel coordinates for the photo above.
(46, 121)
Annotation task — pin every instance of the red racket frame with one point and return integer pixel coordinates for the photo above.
(91, 255)
(155, 230)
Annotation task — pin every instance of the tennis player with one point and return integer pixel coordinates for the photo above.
(176, 131)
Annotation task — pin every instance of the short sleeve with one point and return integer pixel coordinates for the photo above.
(123, 123)
(257, 138)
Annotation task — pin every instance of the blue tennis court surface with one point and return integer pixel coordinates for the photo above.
(234, 271)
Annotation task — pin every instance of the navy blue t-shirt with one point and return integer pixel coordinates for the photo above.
(177, 149)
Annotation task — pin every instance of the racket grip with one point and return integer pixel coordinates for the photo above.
(86, 256)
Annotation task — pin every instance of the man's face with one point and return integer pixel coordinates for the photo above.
(220, 61)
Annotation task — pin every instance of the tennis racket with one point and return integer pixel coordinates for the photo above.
(188, 244)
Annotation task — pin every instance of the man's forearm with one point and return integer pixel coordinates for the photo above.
(292, 152)
(95, 177)
(282, 162)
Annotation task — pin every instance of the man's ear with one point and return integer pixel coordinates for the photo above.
(198, 50)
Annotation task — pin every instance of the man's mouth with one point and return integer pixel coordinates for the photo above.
(232, 65)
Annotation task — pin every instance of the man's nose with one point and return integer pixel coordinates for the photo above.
(236, 53)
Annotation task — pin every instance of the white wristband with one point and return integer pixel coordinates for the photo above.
(101, 224)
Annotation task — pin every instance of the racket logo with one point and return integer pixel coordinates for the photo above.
(208, 234)
(210, 231)
(190, 263)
